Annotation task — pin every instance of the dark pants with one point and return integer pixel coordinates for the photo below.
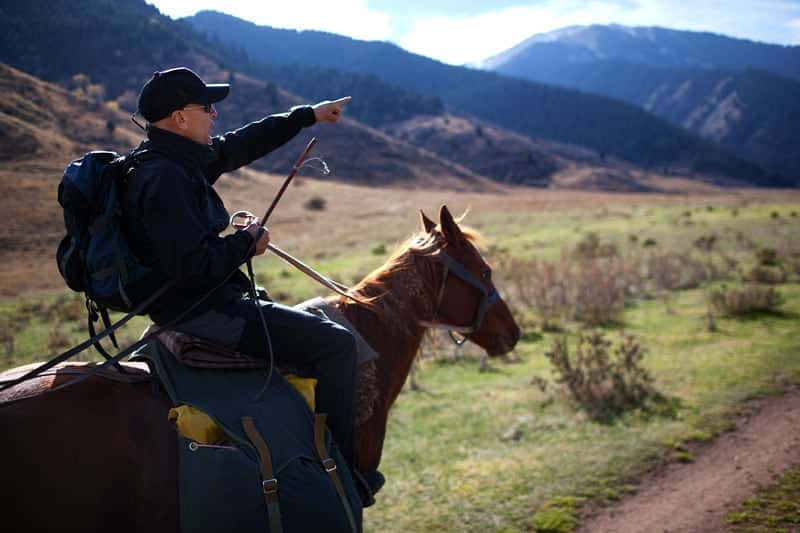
(313, 346)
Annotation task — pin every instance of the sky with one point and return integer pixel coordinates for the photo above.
(464, 31)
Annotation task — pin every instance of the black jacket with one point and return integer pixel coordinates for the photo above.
(172, 216)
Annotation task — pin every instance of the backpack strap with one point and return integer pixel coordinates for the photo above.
(269, 483)
(93, 313)
(330, 466)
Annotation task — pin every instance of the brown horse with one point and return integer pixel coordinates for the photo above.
(102, 456)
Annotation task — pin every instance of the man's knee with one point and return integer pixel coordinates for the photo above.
(342, 340)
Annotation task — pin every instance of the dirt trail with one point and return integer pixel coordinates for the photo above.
(696, 497)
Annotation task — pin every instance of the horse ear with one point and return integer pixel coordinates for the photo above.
(427, 224)
(449, 227)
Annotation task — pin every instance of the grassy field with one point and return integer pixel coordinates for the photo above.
(485, 451)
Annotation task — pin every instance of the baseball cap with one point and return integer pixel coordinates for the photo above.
(173, 89)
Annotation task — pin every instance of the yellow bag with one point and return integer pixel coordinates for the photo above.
(194, 424)
(306, 387)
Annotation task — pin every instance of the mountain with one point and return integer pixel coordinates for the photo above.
(607, 126)
(658, 47)
(705, 83)
(115, 47)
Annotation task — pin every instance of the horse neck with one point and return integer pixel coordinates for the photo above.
(394, 331)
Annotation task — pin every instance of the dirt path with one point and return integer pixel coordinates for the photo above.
(696, 497)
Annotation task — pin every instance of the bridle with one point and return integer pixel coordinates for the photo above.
(459, 333)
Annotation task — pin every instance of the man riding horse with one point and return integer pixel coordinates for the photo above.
(172, 217)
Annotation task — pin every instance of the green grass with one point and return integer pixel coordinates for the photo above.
(773, 509)
(447, 467)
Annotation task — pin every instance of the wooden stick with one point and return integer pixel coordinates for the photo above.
(286, 182)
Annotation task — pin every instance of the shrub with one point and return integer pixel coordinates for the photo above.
(592, 291)
(767, 256)
(598, 292)
(7, 337)
(768, 275)
(602, 379)
(315, 203)
(590, 247)
(745, 300)
(57, 339)
(547, 292)
(675, 271)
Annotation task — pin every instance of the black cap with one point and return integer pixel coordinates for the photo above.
(173, 89)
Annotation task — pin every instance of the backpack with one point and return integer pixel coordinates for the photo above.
(94, 257)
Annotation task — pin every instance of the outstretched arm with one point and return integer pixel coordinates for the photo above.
(253, 141)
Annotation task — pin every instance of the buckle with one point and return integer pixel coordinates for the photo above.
(329, 464)
(270, 486)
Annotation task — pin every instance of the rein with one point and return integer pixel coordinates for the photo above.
(335, 286)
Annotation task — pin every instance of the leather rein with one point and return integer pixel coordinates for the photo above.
(451, 266)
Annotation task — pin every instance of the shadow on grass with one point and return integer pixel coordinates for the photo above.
(767, 313)
(655, 405)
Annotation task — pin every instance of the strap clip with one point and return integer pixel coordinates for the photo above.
(270, 486)
(329, 464)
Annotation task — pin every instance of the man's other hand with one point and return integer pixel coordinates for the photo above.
(328, 111)
(254, 229)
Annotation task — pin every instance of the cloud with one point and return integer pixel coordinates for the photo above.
(794, 25)
(458, 40)
(353, 18)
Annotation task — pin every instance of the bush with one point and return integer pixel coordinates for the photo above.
(543, 286)
(767, 256)
(745, 300)
(674, 271)
(593, 291)
(590, 247)
(768, 275)
(602, 379)
(598, 292)
(315, 203)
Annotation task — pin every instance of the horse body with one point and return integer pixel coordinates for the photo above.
(102, 455)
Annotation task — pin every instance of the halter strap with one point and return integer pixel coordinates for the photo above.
(490, 297)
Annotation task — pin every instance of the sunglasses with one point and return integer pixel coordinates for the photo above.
(208, 108)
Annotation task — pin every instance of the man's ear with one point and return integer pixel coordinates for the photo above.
(179, 119)
(449, 227)
(426, 223)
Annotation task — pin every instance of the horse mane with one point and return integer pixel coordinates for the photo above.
(377, 287)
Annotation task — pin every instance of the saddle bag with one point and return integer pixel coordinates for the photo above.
(278, 470)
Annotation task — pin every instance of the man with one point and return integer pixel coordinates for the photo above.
(173, 217)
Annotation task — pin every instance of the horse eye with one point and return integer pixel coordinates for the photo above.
(487, 275)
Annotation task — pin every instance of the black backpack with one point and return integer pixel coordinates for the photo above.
(94, 257)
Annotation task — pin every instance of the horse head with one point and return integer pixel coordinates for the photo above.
(466, 301)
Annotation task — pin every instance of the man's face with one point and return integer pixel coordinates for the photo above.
(197, 121)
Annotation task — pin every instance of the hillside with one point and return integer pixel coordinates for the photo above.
(42, 128)
(721, 98)
(517, 159)
(658, 47)
(565, 116)
(138, 32)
